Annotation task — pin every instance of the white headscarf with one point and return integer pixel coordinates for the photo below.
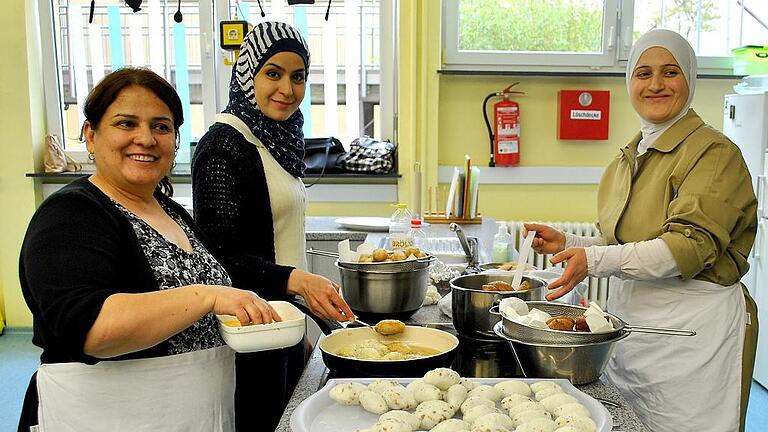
(683, 53)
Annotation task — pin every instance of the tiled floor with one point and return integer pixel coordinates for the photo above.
(19, 359)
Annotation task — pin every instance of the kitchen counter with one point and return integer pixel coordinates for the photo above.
(624, 419)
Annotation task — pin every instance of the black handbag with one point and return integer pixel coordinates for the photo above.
(321, 155)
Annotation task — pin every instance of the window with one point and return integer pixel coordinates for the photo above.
(592, 35)
(346, 79)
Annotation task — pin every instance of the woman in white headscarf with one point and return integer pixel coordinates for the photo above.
(677, 217)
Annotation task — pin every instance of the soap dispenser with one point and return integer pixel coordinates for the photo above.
(501, 244)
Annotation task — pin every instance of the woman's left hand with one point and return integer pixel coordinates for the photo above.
(575, 271)
(322, 295)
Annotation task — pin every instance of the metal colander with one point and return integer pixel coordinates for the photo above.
(531, 335)
(387, 266)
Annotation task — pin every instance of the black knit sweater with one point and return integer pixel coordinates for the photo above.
(232, 207)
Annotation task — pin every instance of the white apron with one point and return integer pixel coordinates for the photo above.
(679, 383)
(287, 198)
(185, 392)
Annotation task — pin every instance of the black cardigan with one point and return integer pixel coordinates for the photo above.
(78, 250)
(231, 205)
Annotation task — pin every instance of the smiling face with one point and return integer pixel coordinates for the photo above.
(280, 85)
(658, 88)
(134, 143)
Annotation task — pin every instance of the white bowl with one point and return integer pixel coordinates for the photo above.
(262, 337)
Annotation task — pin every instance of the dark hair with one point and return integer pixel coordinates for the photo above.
(106, 91)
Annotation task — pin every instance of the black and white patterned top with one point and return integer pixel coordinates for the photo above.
(174, 267)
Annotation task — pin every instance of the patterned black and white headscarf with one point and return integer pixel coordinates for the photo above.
(283, 139)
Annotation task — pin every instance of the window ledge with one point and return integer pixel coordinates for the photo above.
(481, 72)
(182, 174)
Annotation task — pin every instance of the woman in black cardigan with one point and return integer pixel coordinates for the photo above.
(250, 200)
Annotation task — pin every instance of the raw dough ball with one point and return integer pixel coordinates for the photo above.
(423, 392)
(433, 412)
(540, 385)
(584, 424)
(490, 429)
(399, 398)
(451, 425)
(404, 416)
(469, 384)
(547, 392)
(485, 391)
(494, 419)
(526, 406)
(513, 400)
(476, 412)
(442, 378)
(373, 402)
(537, 425)
(510, 387)
(568, 429)
(380, 385)
(347, 393)
(527, 416)
(391, 425)
(472, 402)
(456, 395)
(573, 409)
(554, 401)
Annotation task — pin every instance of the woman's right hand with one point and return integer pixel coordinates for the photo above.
(248, 307)
(548, 240)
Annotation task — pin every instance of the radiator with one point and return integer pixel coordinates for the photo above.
(598, 287)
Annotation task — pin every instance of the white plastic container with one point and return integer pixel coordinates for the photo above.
(418, 235)
(399, 226)
(262, 337)
(501, 242)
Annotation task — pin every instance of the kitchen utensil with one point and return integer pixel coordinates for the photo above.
(527, 334)
(470, 304)
(525, 250)
(470, 247)
(384, 292)
(396, 266)
(177, 16)
(261, 337)
(579, 363)
(444, 342)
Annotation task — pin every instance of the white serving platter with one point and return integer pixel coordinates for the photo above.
(378, 224)
(319, 413)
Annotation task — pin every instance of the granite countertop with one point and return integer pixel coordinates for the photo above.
(624, 419)
(319, 228)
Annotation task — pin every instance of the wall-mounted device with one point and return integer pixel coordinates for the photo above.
(232, 33)
(583, 114)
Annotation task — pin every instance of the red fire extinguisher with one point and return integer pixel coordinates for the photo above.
(504, 137)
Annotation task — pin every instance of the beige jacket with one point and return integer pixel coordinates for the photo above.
(692, 189)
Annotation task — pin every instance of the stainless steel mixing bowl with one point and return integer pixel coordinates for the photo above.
(384, 292)
(579, 363)
(470, 304)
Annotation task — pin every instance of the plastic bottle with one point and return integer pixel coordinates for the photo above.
(418, 235)
(399, 227)
(501, 243)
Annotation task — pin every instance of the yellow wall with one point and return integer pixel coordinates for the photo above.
(440, 120)
(21, 135)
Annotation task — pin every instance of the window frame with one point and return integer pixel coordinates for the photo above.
(213, 69)
(618, 27)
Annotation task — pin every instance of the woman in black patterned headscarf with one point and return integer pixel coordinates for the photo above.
(250, 199)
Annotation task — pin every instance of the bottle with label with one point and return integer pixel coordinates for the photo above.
(501, 243)
(399, 227)
(418, 235)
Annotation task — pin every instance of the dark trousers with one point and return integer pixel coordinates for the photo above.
(264, 382)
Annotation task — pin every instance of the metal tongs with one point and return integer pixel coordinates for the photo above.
(470, 246)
